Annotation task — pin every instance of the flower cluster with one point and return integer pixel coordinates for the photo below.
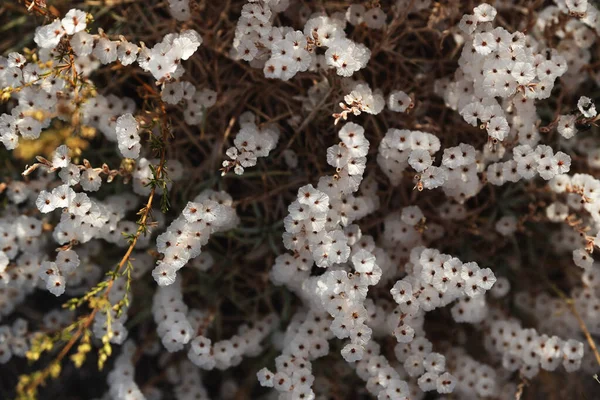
(580, 193)
(319, 230)
(21, 254)
(210, 212)
(187, 382)
(360, 99)
(85, 218)
(342, 262)
(14, 340)
(121, 380)
(45, 91)
(196, 101)
(230, 352)
(343, 295)
(436, 280)
(282, 52)
(250, 143)
(497, 63)
(111, 324)
(527, 163)
(101, 113)
(53, 273)
(373, 18)
(401, 148)
(576, 37)
(527, 351)
(428, 367)
(475, 379)
(171, 316)
(144, 174)
(316, 220)
(163, 60)
(19, 236)
(48, 36)
(554, 320)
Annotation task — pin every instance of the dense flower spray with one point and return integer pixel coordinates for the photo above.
(383, 229)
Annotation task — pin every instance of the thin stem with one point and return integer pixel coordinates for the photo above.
(141, 229)
(571, 304)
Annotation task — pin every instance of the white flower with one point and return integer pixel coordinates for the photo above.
(188, 42)
(374, 18)
(67, 261)
(563, 162)
(74, 21)
(573, 349)
(401, 292)
(206, 97)
(363, 261)
(105, 51)
(566, 126)
(484, 13)
(485, 278)
(265, 377)
(484, 43)
(45, 202)
(355, 14)
(523, 72)
(420, 160)
(414, 364)
(70, 174)
(90, 180)
(445, 383)
(60, 158)
(82, 43)
(247, 50)
(48, 36)
(56, 285)
(16, 60)
(547, 168)
(473, 112)
(308, 195)
(399, 101)
(127, 136)
(29, 128)
(163, 274)
(582, 258)
(127, 52)
(411, 215)
(587, 107)
(180, 9)
(172, 92)
(468, 23)
(577, 6)
(193, 212)
(63, 196)
(189, 90)
(435, 362)
(7, 124)
(506, 225)
(433, 177)
(498, 128)
(547, 71)
(352, 352)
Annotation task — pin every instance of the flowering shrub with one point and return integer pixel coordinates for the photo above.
(280, 199)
